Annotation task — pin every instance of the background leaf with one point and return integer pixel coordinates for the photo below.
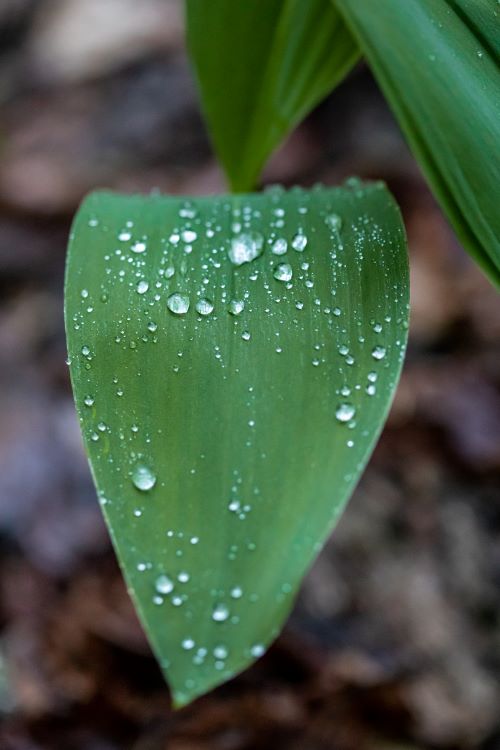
(261, 67)
(225, 442)
(438, 64)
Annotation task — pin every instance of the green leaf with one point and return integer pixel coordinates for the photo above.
(438, 64)
(225, 443)
(261, 67)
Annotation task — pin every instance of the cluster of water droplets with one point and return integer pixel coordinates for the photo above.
(266, 283)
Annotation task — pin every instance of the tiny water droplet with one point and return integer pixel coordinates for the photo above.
(204, 306)
(178, 303)
(345, 412)
(187, 644)
(379, 352)
(88, 401)
(164, 585)
(236, 592)
(85, 351)
(283, 272)
(138, 247)
(124, 236)
(142, 287)
(220, 652)
(334, 221)
(220, 613)
(246, 336)
(257, 650)
(188, 236)
(143, 478)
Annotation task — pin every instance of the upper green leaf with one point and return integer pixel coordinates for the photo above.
(261, 67)
(438, 64)
(233, 360)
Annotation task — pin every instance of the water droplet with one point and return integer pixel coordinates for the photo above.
(178, 303)
(124, 236)
(220, 613)
(280, 246)
(283, 272)
(204, 306)
(187, 644)
(183, 577)
(142, 287)
(188, 236)
(245, 248)
(372, 377)
(345, 412)
(246, 336)
(334, 221)
(299, 242)
(236, 306)
(138, 247)
(84, 293)
(220, 652)
(85, 351)
(236, 592)
(88, 401)
(257, 650)
(143, 478)
(379, 352)
(164, 585)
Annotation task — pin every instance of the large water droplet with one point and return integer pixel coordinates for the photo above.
(283, 272)
(178, 303)
(245, 248)
(299, 242)
(280, 246)
(143, 478)
(138, 247)
(236, 306)
(204, 306)
(345, 412)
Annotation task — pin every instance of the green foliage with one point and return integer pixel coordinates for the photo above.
(229, 407)
(262, 66)
(438, 64)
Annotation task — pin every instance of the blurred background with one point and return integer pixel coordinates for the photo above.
(395, 642)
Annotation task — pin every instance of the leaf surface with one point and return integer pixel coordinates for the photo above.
(438, 64)
(228, 407)
(261, 67)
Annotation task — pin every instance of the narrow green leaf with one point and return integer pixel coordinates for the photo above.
(228, 407)
(438, 64)
(261, 67)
